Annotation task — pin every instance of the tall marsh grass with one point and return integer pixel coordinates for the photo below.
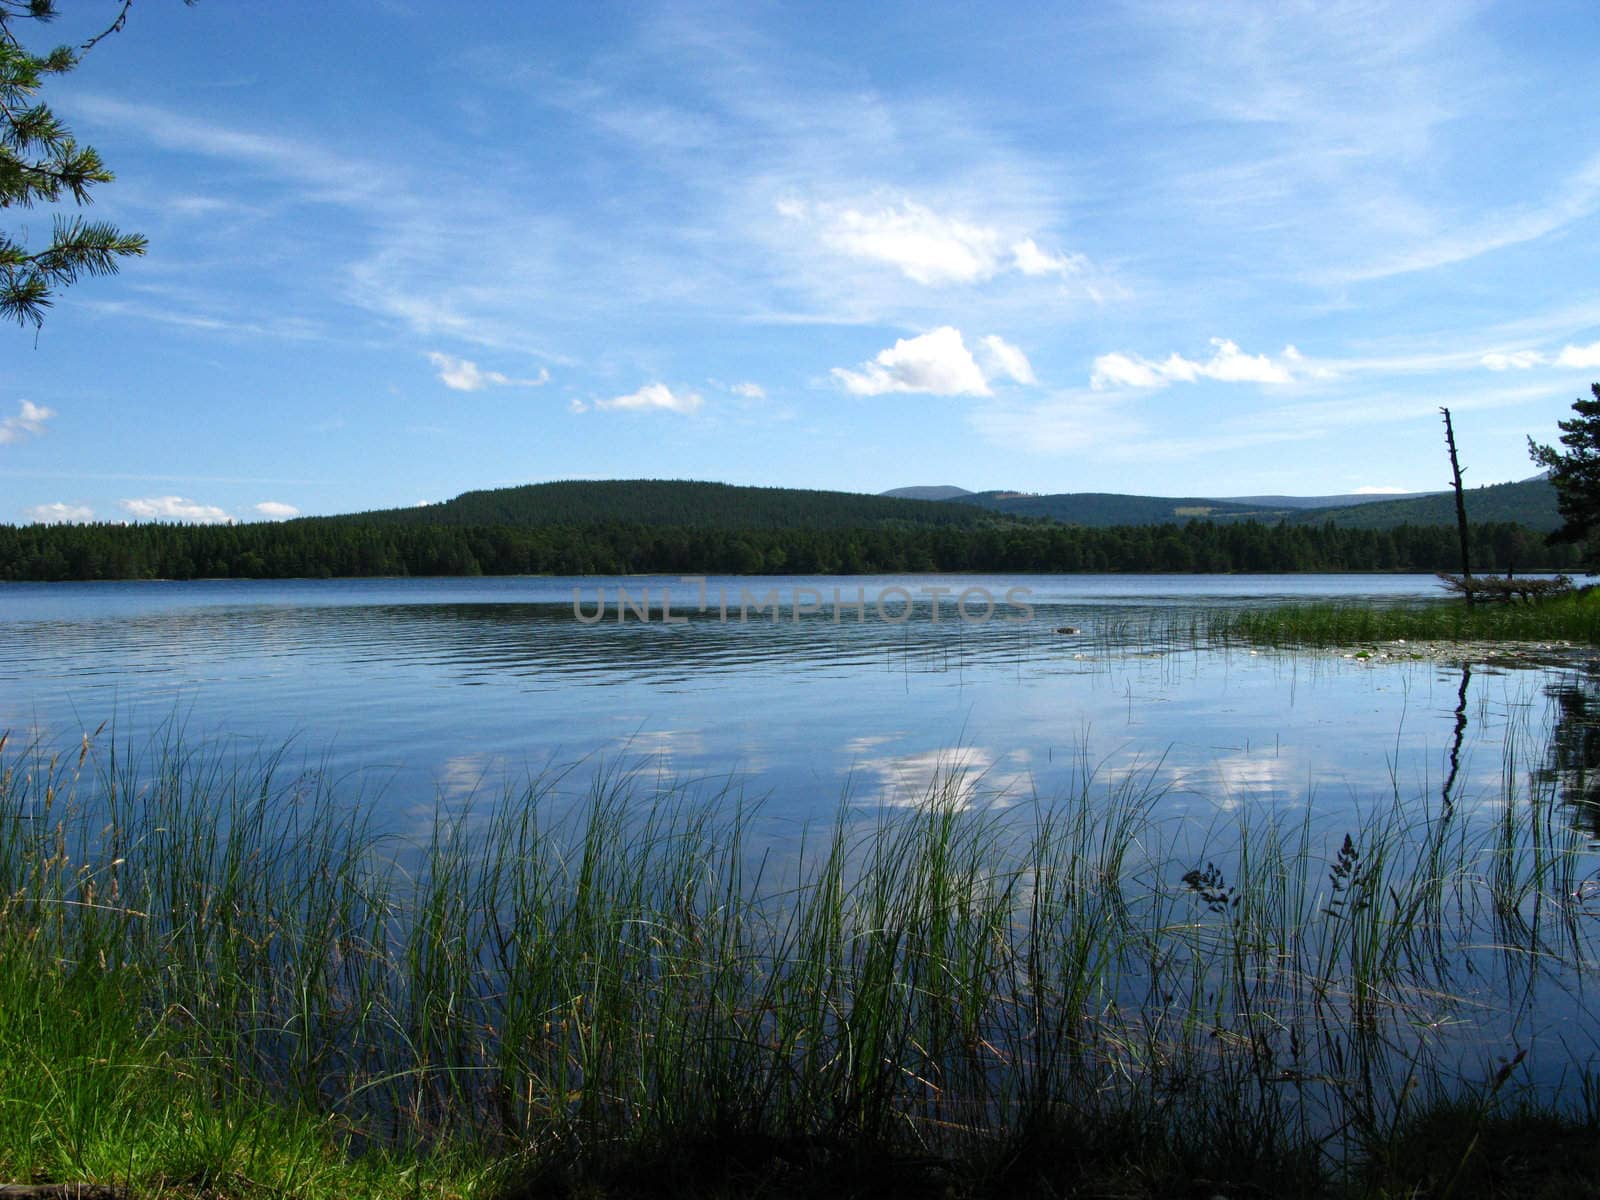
(621, 990)
(1573, 618)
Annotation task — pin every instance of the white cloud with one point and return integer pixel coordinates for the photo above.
(925, 246)
(1519, 360)
(937, 363)
(920, 244)
(1228, 364)
(750, 391)
(464, 375)
(1579, 356)
(652, 396)
(175, 508)
(1030, 260)
(1002, 358)
(1118, 370)
(276, 510)
(58, 513)
(30, 419)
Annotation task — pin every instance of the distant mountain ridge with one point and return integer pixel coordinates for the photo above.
(1531, 502)
(943, 491)
(1347, 500)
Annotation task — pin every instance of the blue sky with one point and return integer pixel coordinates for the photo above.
(403, 250)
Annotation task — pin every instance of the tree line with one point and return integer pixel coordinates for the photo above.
(323, 548)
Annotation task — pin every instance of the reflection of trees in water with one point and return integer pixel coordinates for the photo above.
(1572, 758)
(1455, 744)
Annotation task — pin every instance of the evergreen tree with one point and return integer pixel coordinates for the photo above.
(41, 163)
(1576, 474)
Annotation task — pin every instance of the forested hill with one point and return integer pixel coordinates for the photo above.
(679, 504)
(636, 526)
(1531, 502)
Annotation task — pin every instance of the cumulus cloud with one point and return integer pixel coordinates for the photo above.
(1119, 370)
(925, 246)
(1030, 260)
(938, 363)
(464, 375)
(920, 244)
(276, 510)
(1579, 356)
(750, 391)
(1227, 364)
(1002, 358)
(29, 420)
(59, 514)
(1518, 360)
(175, 508)
(651, 396)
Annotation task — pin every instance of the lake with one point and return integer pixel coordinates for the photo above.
(426, 690)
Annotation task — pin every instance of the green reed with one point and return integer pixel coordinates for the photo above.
(1573, 618)
(559, 987)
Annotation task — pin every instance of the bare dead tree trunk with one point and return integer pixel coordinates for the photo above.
(1461, 504)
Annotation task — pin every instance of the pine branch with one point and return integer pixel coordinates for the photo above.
(77, 248)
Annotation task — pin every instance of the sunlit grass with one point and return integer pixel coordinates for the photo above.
(221, 979)
(1573, 618)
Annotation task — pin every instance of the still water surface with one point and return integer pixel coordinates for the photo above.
(419, 690)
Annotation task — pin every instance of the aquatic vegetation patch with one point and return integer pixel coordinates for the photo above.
(618, 993)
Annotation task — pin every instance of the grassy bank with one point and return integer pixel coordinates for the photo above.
(1573, 618)
(221, 980)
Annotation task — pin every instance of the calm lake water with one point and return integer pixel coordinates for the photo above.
(421, 690)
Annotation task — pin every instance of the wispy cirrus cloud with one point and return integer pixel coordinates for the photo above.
(1511, 360)
(1577, 197)
(333, 177)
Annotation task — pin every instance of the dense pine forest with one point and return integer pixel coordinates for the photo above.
(608, 527)
(324, 547)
